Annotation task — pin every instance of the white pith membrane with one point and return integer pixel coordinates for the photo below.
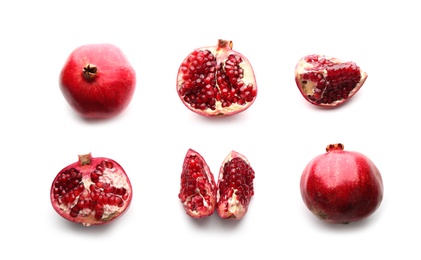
(110, 176)
(221, 55)
(232, 208)
(303, 67)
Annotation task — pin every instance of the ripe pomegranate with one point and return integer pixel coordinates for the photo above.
(97, 81)
(326, 81)
(91, 191)
(341, 186)
(235, 186)
(216, 81)
(197, 188)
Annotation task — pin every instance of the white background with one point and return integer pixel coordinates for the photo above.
(279, 134)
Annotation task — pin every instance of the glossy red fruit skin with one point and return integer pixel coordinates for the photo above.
(100, 94)
(304, 66)
(221, 52)
(85, 166)
(341, 186)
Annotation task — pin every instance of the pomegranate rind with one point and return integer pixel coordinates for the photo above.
(230, 207)
(337, 195)
(209, 188)
(221, 54)
(303, 67)
(109, 92)
(117, 178)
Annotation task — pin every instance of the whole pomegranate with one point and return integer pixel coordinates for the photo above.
(341, 186)
(216, 81)
(326, 81)
(235, 186)
(197, 187)
(91, 191)
(97, 81)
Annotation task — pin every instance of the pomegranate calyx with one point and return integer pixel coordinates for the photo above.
(85, 159)
(223, 44)
(90, 71)
(335, 147)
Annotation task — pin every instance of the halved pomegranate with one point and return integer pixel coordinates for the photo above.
(235, 186)
(92, 191)
(216, 81)
(197, 188)
(326, 81)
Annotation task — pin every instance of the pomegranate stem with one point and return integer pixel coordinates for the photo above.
(222, 44)
(335, 147)
(85, 159)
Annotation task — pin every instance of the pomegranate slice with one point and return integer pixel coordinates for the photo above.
(197, 188)
(326, 81)
(235, 186)
(216, 81)
(341, 186)
(92, 191)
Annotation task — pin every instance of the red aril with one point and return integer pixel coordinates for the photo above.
(326, 81)
(97, 81)
(235, 186)
(341, 186)
(91, 191)
(197, 187)
(216, 81)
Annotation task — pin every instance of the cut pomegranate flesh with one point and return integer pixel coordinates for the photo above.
(216, 80)
(92, 191)
(235, 186)
(326, 81)
(197, 188)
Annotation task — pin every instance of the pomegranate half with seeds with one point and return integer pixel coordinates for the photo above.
(197, 187)
(341, 186)
(235, 186)
(91, 191)
(327, 81)
(216, 81)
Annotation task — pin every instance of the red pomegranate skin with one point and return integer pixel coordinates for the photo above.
(97, 81)
(341, 186)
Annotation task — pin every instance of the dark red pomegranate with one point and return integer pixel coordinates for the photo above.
(235, 186)
(91, 191)
(326, 81)
(216, 81)
(341, 186)
(97, 81)
(197, 188)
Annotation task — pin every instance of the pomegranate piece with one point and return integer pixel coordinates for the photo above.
(97, 81)
(216, 81)
(327, 81)
(197, 188)
(235, 186)
(341, 186)
(92, 191)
